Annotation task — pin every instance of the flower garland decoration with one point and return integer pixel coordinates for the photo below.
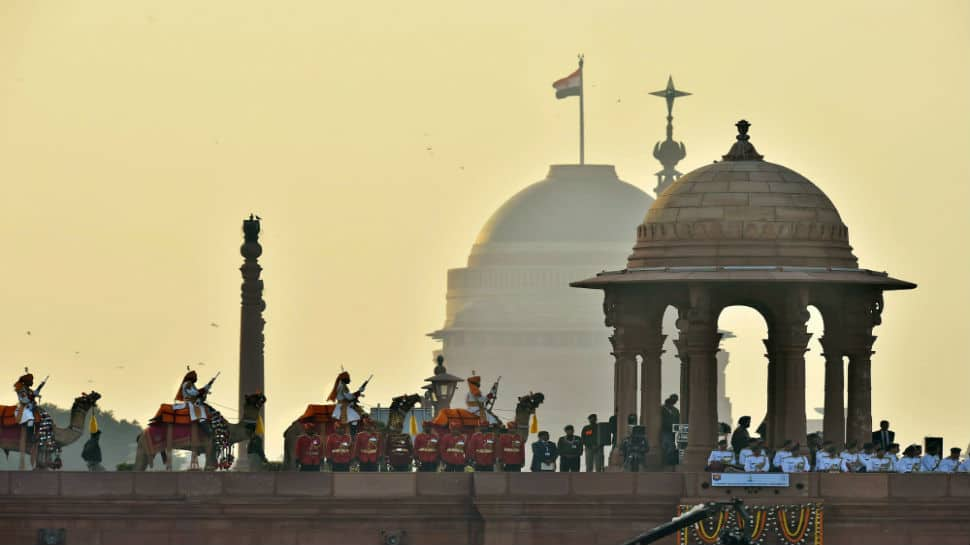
(797, 524)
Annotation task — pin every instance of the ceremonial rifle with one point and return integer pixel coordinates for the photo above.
(492, 395)
(208, 386)
(364, 385)
(37, 392)
(41, 385)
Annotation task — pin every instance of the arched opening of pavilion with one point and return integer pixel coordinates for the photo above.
(747, 232)
(744, 330)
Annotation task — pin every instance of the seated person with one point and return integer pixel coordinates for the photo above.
(882, 462)
(930, 460)
(781, 454)
(950, 463)
(868, 451)
(851, 456)
(721, 458)
(910, 462)
(797, 462)
(757, 461)
(964, 467)
(748, 450)
(828, 461)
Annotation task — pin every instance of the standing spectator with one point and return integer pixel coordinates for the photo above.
(814, 444)
(883, 436)
(91, 453)
(612, 423)
(740, 438)
(634, 448)
(543, 453)
(669, 417)
(570, 448)
(950, 463)
(593, 445)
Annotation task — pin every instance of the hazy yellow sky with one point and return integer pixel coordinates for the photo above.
(135, 135)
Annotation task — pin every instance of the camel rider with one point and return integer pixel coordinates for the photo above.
(479, 404)
(194, 399)
(27, 402)
(347, 411)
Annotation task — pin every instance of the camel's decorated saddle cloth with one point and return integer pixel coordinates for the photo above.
(168, 414)
(459, 417)
(317, 414)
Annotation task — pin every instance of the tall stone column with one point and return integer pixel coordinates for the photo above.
(620, 311)
(863, 312)
(625, 376)
(833, 422)
(251, 340)
(700, 326)
(650, 377)
(771, 414)
(681, 344)
(789, 342)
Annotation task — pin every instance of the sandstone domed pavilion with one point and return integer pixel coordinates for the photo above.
(747, 232)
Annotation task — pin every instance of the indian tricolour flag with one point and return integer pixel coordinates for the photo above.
(570, 86)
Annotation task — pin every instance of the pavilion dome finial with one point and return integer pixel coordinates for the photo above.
(743, 150)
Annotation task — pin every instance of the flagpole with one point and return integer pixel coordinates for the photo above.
(582, 131)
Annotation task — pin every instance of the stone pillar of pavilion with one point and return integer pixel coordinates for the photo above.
(788, 337)
(251, 340)
(863, 312)
(746, 232)
(833, 421)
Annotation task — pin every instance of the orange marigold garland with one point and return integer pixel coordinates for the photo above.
(768, 520)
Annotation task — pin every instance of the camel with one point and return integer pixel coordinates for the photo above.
(525, 407)
(321, 415)
(13, 437)
(161, 438)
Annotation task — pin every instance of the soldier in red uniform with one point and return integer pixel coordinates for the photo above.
(511, 450)
(399, 452)
(338, 449)
(454, 449)
(367, 448)
(309, 449)
(426, 451)
(481, 449)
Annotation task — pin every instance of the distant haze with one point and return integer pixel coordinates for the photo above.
(136, 135)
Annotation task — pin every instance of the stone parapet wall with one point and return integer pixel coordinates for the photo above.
(453, 509)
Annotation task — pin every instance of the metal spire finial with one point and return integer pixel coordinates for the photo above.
(669, 152)
(670, 93)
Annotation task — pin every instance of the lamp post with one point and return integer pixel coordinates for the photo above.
(441, 387)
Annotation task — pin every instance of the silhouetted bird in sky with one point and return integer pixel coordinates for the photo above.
(28, 332)
(213, 324)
